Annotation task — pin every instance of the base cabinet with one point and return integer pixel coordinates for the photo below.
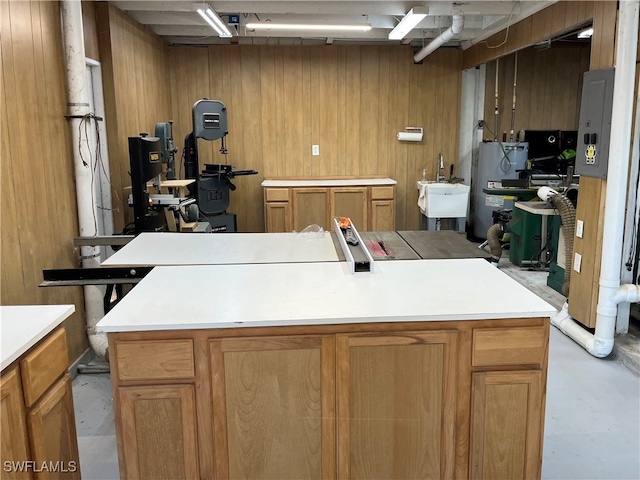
(360, 401)
(294, 208)
(39, 439)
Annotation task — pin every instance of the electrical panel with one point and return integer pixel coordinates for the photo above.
(592, 150)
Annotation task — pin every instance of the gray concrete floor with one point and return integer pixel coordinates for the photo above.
(592, 422)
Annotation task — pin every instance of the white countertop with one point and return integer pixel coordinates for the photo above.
(329, 183)
(151, 249)
(201, 297)
(22, 326)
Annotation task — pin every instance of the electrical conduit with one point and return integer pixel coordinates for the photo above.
(444, 37)
(78, 103)
(611, 293)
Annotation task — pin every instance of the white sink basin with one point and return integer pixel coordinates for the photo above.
(443, 200)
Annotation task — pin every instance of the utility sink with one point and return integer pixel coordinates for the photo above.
(443, 200)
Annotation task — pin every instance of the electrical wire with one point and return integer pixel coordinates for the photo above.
(506, 36)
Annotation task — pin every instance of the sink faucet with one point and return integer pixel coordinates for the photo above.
(440, 165)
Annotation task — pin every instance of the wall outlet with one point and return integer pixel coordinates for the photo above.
(315, 149)
(579, 228)
(577, 262)
(480, 123)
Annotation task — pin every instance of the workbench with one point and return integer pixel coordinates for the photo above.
(151, 249)
(38, 422)
(304, 370)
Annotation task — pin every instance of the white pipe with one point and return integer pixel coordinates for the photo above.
(444, 37)
(79, 107)
(610, 293)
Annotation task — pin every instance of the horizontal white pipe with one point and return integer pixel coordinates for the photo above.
(454, 30)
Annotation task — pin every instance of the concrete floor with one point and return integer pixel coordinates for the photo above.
(592, 426)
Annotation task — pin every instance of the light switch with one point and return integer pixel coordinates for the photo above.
(315, 149)
(579, 228)
(577, 262)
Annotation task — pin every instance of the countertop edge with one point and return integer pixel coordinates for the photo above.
(320, 322)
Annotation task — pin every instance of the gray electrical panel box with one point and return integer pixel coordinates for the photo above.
(594, 132)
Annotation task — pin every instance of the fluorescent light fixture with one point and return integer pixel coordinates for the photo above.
(408, 23)
(588, 33)
(294, 26)
(215, 21)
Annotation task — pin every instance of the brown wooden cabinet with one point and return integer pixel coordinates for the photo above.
(396, 405)
(506, 425)
(158, 426)
(278, 415)
(38, 421)
(438, 399)
(14, 446)
(288, 208)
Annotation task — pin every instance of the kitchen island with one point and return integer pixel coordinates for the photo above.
(424, 369)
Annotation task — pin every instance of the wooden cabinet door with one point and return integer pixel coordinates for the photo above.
(278, 217)
(274, 407)
(351, 202)
(507, 419)
(52, 426)
(311, 206)
(396, 405)
(383, 216)
(14, 443)
(158, 432)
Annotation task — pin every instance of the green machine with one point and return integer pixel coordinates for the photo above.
(532, 234)
(556, 270)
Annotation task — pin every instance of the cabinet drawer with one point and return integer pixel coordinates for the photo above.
(277, 194)
(509, 346)
(43, 366)
(155, 359)
(381, 193)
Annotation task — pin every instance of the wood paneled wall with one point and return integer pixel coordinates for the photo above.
(349, 100)
(554, 20)
(39, 216)
(135, 75)
(548, 90)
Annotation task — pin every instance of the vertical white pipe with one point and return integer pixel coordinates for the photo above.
(617, 174)
(78, 107)
(633, 200)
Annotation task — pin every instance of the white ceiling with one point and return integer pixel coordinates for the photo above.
(179, 23)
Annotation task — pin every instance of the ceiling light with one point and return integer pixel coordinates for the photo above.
(408, 23)
(586, 33)
(215, 21)
(293, 26)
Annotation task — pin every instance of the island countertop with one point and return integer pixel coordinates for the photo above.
(224, 296)
(22, 326)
